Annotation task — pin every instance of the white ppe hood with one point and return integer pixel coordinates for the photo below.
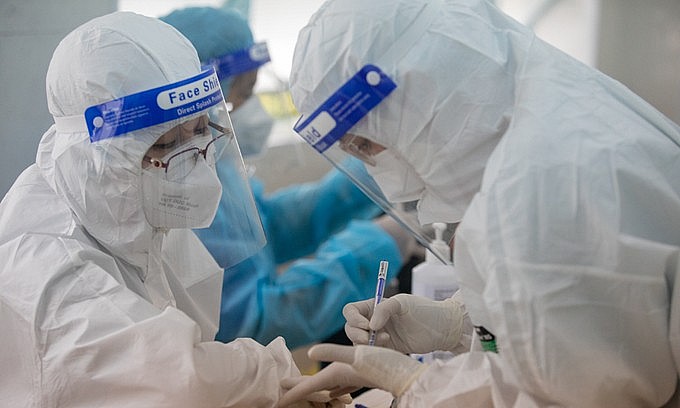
(441, 118)
(104, 191)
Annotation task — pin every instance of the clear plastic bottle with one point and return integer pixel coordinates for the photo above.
(435, 280)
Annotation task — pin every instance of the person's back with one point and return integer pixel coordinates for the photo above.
(588, 197)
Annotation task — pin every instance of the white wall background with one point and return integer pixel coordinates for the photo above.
(570, 25)
(639, 44)
(29, 32)
(636, 42)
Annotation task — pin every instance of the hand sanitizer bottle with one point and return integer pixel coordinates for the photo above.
(435, 280)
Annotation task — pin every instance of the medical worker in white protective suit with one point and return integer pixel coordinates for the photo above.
(108, 299)
(566, 186)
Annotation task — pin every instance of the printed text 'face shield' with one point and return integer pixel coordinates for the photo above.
(328, 130)
(180, 186)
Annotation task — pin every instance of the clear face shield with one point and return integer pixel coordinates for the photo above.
(190, 125)
(328, 130)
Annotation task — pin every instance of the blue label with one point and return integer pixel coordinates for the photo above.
(342, 110)
(381, 288)
(241, 61)
(155, 106)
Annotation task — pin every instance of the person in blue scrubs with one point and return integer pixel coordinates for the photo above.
(325, 239)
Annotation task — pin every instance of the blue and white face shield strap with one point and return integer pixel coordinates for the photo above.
(240, 61)
(171, 102)
(345, 107)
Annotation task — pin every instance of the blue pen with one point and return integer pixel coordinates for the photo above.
(379, 291)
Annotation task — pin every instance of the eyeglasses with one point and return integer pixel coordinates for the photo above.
(360, 147)
(179, 164)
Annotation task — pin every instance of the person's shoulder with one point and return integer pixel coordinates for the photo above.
(38, 231)
(32, 207)
(39, 265)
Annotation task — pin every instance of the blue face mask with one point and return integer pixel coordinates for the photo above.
(252, 126)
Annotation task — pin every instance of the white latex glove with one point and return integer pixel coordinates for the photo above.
(318, 399)
(406, 243)
(407, 323)
(354, 368)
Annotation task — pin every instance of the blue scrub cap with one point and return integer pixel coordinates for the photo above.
(213, 31)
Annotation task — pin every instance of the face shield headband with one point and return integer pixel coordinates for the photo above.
(177, 108)
(240, 61)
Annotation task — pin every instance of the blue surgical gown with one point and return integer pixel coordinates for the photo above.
(322, 252)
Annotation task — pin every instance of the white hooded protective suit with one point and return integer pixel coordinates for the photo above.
(567, 183)
(98, 309)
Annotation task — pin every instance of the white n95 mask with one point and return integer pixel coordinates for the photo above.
(396, 178)
(252, 126)
(189, 202)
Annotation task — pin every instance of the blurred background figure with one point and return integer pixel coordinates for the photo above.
(323, 244)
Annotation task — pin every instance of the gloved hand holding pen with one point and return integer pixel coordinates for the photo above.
(354, 368)
(407, 323)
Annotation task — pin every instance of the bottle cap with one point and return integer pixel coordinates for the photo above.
(438, 245)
